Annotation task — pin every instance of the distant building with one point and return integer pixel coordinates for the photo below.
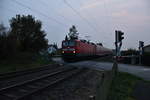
(146, 48)
(52, 49)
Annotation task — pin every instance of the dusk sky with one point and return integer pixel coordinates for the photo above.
(97, 19)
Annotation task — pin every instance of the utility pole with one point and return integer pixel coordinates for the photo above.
(141, 45)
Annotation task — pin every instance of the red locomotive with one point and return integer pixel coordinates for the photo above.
(72, 49)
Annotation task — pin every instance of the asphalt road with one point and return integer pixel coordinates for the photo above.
(141, 71)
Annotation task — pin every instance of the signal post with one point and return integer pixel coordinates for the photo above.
(141, 45)
(118, 43)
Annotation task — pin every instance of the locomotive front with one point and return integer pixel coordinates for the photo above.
(68, 49)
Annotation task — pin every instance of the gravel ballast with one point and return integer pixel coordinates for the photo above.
(79, 87)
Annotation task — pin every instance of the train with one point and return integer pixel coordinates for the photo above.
(77, 49)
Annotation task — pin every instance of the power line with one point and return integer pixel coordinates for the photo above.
(90, 16)
(107, 14)
(58, 14)
(98, 24)
(83, 18)
(46, 6)
(34, 10)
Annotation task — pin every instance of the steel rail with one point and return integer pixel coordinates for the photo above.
(21, 83)
(63, 74)
(23, 72)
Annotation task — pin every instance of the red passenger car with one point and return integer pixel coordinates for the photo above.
(72, 49)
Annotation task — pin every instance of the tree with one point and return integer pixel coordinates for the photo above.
(28, 33)
(7, 45)
(73, 33)
(2, 30)
(66, 38)
(129, 51)
(55, 46)
(3, 39)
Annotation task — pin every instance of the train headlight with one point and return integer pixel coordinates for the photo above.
(63, 52)
(74, 51)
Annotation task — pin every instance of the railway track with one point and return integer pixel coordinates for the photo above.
(26, 88)
(8, 75)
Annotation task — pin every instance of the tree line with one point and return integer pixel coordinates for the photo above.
(24, 35)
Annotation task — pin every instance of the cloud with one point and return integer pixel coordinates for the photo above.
(131, 17)
(89, 5)
(122, 13)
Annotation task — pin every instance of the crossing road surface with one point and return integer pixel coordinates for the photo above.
(141, 71)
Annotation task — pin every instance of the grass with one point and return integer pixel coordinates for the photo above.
(123, 86)
(17, 64)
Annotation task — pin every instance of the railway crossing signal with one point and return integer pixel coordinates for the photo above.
(119, 36)
(118, 41)
(141, 45)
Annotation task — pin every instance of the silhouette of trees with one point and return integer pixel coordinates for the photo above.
(73, 33)
(130, 51)
(28, 33)
(7, 44)
(3, 39)
(25, 36)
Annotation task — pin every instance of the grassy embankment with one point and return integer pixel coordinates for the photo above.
(123, 86)
(23, 62)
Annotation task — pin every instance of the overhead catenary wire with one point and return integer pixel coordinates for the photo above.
(91, 17)
(106, 9)
(54, 19)
(34, 10)
(59, 14)
(83, 18)
(107, 15)
(88, 13)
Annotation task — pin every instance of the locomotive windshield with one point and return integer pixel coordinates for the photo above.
(69, 43)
